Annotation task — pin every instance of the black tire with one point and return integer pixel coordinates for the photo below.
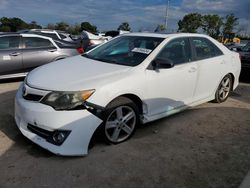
(123, 103)
(218, 96)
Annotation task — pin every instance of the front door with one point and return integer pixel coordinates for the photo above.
(174, 87)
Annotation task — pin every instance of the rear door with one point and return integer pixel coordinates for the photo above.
(37, 51)
(211, 65)
(10, 55)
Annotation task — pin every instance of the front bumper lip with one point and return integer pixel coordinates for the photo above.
(81, 123)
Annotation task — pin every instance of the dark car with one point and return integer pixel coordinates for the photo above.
(19, 53)
(245, 55)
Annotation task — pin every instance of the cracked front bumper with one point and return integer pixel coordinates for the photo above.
(81, 123)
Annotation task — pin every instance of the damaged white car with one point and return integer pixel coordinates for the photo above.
(132, 79)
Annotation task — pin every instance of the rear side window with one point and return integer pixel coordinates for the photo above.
(11, 42)
(178, 51)
(33, 42)
(205, 49)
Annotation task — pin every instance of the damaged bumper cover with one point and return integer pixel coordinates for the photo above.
(39, 123)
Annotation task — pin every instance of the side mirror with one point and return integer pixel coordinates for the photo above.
(162, 64)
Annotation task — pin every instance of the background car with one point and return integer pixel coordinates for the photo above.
(19, 53)
(89, 39)
(54, 34)
(245, 56)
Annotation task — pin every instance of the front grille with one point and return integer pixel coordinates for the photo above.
(40, 132)
(32, 97)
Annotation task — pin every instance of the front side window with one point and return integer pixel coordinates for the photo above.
(205, 49)
(33, 42)
(177, 51)
(11, 42)
(125, 50)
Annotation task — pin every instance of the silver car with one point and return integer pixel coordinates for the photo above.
(19, 53)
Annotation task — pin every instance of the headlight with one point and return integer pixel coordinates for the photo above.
(66, 100)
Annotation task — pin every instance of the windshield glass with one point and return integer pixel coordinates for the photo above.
(125, 50)
(246, 48)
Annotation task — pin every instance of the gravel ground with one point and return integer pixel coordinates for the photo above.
(206, 146)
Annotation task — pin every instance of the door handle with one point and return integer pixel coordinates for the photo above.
(51, 50)
(15, 54)
(192, 69)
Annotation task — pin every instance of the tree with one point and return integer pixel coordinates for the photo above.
(86, 26)
(212, 24)
(34, 25)
(230, 23)
(62, 26)
(190, 23)
(51, 26)
(14, 24)
(5, 28)
(74, 29)
(124, 26)
(160, 28)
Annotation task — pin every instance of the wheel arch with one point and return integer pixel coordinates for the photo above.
(133, 97)
(233, 79)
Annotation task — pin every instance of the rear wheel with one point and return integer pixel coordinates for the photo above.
(224, 89)
(122, 116)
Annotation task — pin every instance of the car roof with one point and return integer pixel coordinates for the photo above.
(160, 35)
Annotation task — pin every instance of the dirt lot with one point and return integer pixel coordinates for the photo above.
(207, 146)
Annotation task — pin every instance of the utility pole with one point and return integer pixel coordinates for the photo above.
(167, 14)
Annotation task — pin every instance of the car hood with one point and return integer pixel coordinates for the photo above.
(74, 74)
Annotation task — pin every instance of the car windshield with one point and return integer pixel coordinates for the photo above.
(246, 48)
(125, 50)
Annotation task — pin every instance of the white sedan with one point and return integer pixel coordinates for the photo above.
(135, 78)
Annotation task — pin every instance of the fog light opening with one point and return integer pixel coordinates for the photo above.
(59, 137)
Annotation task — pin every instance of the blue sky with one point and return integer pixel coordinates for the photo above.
(108, 14)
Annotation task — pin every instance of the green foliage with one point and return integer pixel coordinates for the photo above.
(124, 26)
(14, 24)
(88, 27)
(5, 28)
(51, 26)
(230, 23)
(34, 25)
(62, 26)
(160, 28)
(212, 24)
(190, 23)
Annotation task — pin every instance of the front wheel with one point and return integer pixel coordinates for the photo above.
(224, 89)
(121, 120)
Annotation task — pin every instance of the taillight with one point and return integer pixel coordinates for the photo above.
(80, 50)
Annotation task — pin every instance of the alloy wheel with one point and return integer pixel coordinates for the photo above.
(120, 124)
(224, 89)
